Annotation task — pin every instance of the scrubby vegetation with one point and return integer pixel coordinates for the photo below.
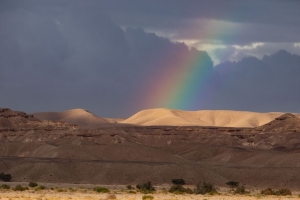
(178, 188)
(281, 192)
(129, 187)
(32, 184)
(146, 187)
(4, 186)
(61, 190)
(20, 188)
(240, 190)
(205, 188)
(178, 181)
(5, 177)
(101, 190)
(201, 188)
(41, 187)
(232, 184)
(147, 197)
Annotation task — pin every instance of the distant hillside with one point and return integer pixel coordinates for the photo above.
(223, 118)
(80, 117)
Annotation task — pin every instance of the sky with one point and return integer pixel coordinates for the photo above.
(115, 58)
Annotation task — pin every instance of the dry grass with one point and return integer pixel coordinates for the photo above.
(90, 195)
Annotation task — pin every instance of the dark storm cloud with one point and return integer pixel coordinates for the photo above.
(57, 55)
(229, 22)
(267, 84)
(70, 54)
(254, 11)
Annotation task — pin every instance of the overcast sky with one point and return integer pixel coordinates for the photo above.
(111, 57)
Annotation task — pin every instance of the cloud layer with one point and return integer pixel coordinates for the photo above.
(58, 55)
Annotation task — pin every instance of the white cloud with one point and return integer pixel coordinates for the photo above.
(252, 46)
(297, 44)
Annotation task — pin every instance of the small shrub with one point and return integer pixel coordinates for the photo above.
(129, 187)
(5, 177)
(189, 191)
(205, 187)
(72, 190)
(178, 181)
(232, 184)
(20, 188)
(32, 184)
(131, 192)
(283, 192)
(41, 187)
(101, 190)
(146, 187)
(59, 190)
(267, 191)
(240, 190)
(147, 197)
(179, 189)
(4, 186)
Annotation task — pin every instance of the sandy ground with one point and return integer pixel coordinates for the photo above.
(80, 194)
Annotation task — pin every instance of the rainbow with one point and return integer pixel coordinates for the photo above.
(180, 81)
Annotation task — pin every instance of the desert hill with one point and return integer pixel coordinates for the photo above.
(287, 123)
(47, 151)
(80, 117)
(164, 117)
(220, 118)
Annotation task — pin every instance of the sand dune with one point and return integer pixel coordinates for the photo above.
(164, 117)
(224, 118)
(80, 117)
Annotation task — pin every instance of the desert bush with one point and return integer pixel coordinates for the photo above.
(129, 187)
(4, 186)
(5, 177)
(240, 190)
(32, 184)
(72, 190)
(232, 184)
(267, 191)
(41, 187)
(101, 190)
(146, 187)
(205, 187)
(147, 197)
(281, 192)
(178, 181)
(60, 190)
(179, 189)
(20, 188)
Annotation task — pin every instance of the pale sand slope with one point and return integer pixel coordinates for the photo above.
(223, 118)
(50, 195)
(80, 117)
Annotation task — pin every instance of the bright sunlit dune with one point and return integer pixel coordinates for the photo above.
(225, 118)
(80, 117)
